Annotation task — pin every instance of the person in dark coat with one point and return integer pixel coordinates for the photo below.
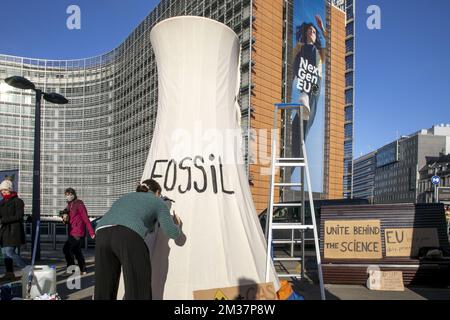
(12, 233)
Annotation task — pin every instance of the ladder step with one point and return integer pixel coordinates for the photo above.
(289, 164)
(296, 204)
(287, 259)
(283, 184)
(289, 275)
(291, 226)
(286, 241)
(291, 159)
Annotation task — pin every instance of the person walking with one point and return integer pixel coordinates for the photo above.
(78, 220)
(12, 233)
(120, 242)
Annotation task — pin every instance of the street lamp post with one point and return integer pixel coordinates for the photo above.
(25, 84)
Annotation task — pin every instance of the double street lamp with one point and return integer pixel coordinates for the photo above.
(25, 84)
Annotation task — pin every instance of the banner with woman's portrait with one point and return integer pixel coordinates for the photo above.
(307, 81)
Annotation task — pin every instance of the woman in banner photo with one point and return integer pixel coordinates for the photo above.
(309, 57)
(78, 220)
(12, 233)
(120, 242)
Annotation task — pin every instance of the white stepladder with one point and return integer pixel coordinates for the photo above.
(301, 163)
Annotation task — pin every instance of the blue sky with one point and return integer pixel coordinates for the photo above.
(403, 70)
(38, 29)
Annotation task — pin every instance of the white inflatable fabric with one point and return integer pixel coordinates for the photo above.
(196, 157)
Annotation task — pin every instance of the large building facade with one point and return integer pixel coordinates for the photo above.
(99, 142)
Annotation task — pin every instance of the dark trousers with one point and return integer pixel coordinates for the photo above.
(72, 248)
(11, 256)
(119, 247)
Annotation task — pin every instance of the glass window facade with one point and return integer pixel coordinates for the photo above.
(350, 12)
(363, 178)
(350, 29)
(98, 143)
(349, 114)
(349, 79)
(349, 97)
(349, 45)
(348, 131)
(349, 62)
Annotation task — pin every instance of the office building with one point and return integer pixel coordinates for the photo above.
(99, 142)
(397, 165)
(364, 177)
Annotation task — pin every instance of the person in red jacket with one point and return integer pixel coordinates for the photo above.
(78, 221)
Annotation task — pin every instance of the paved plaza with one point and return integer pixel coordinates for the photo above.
(305, 287)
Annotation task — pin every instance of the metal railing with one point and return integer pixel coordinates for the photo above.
(52, 232)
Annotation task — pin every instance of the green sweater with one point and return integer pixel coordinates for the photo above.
(140, 211)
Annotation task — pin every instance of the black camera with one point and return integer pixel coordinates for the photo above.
(65, 216)
(65, 211)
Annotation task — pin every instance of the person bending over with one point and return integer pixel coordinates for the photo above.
(120, 242)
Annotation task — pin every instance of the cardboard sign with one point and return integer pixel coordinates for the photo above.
(407, 242)
(385, 280)
(356, 239)
(264, 291)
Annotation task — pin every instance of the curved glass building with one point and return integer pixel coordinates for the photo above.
(83, 143)
(98, 143)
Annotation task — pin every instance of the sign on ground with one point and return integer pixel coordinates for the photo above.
(385, 280)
